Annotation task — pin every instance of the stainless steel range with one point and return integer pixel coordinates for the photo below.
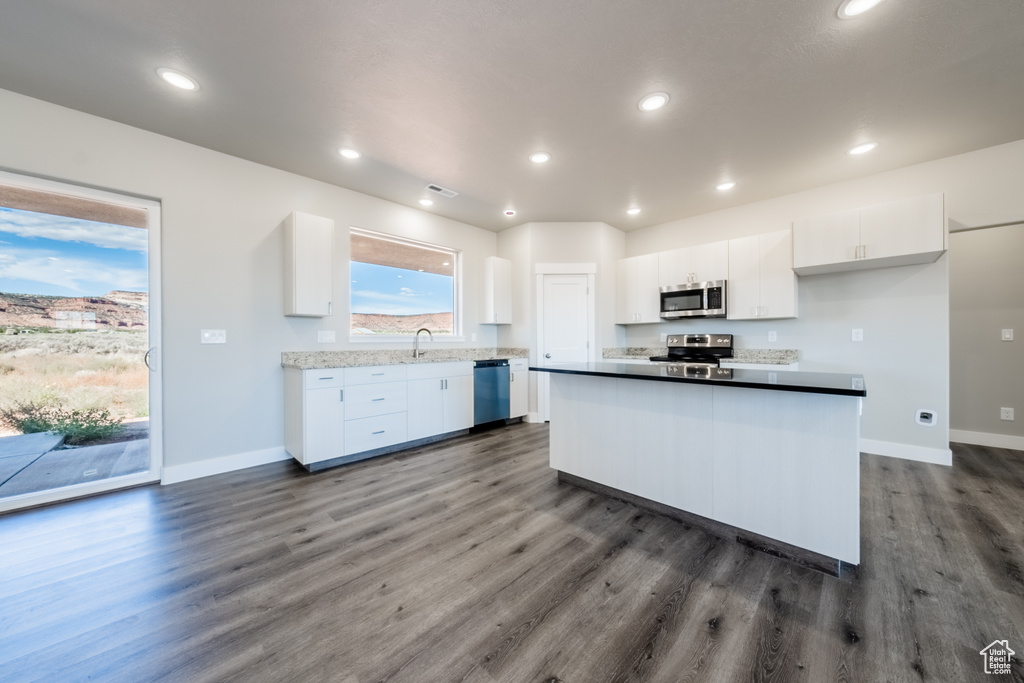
(699, 352)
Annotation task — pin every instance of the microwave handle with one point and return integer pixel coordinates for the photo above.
(706, 299)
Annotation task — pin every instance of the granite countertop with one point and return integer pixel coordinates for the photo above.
(807, 382)
(759, 356)
(315, 360)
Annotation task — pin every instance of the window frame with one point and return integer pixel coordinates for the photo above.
(457, 316)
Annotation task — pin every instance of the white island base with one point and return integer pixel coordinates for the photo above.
(783, 465)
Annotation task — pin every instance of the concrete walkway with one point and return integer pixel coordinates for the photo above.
(29, 463)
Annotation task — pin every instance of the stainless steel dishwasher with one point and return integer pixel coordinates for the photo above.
(490, 391)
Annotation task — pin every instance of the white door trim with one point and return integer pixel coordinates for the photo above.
(155, 339)
(542, 269)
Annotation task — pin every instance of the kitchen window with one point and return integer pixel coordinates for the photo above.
(398, 286)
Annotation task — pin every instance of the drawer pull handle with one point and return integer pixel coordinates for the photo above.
(377, 374)
(326, 378)
(377, 399)
(380, 432)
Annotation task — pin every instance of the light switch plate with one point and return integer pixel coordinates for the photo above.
(858, 334)
(1007, 335)
(326, 336)
(213, 336)
(773, 335)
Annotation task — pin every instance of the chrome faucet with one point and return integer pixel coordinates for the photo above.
(416, 341)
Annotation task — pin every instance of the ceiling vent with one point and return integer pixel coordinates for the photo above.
(443, 191)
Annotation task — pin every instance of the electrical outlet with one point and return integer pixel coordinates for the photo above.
(858, 334)
(472, 337)
(326, 336)
(1007, 335)
(773, 335)
(1006, 414)
(213, 337)
(664, 336)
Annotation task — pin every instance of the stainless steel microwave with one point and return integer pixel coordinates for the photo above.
(693, 300)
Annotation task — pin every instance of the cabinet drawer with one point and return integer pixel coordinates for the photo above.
(438, 370)
(374, 432)
(366, 400)
(516, 364)
(375, 374)
(324, 379)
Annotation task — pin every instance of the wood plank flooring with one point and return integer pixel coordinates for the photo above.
(468, 561)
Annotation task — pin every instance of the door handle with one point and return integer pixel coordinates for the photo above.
(145, 359)
(547, 355)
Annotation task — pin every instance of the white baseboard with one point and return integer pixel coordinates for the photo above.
(227, 463)
(937, 456)
(985, 439)
(532, 417)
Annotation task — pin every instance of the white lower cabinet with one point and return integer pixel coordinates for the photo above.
(519, 387)
(314, 426)
(440, 398)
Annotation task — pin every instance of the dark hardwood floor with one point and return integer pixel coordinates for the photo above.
(468, 561)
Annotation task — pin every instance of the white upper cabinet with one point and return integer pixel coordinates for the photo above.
(762, 283)
(637, 299)
(898, 233)
(497, 291)
(308, 265)
(699, 263)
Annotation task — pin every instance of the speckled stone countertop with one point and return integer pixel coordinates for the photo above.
(760, 356)
(310, 360)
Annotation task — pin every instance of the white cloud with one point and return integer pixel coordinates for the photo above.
(79, 275)
(29, 224)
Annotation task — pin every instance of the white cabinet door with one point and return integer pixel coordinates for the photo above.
(674, 267)
(710, 261)
(457, 398)
(825, 240)
(324, 422)
(309, 265)
(625, 288)
(744, 285)
(778, 281)
(648, 298)
(497, 291)
(903, 227)
(519, 394)
(425, 408)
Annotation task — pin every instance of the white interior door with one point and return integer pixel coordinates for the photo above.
(566, 326)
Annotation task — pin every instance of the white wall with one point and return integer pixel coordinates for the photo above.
(986, 293)
(904, 311)
(222, 263)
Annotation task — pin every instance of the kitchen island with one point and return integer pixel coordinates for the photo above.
(770, 453)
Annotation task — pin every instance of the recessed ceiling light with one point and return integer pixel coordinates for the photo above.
(863, 149)
(177, 79)
(722, 187)
(540, 157)
(510, 212)
(426, 202)
(853, 8)
(654, 101)
(349, 153)
(634, 211)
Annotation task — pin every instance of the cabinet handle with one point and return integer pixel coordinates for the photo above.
(511, 377)
(326, 378)
(377, 374)
(863, 251)
(380, 432)
(446, 384)
(441, 383)
(376, 399)
(341, 395)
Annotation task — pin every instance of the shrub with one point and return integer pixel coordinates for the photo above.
(78, 426)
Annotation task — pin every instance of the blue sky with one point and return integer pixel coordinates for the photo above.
(396, 291)
(60, 256)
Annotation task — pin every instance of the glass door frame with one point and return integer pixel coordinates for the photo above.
(153, 474)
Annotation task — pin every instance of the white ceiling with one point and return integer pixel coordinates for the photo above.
(459, 93)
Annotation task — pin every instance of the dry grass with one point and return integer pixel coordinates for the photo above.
(81, 370)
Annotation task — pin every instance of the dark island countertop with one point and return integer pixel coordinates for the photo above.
(807, 382)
